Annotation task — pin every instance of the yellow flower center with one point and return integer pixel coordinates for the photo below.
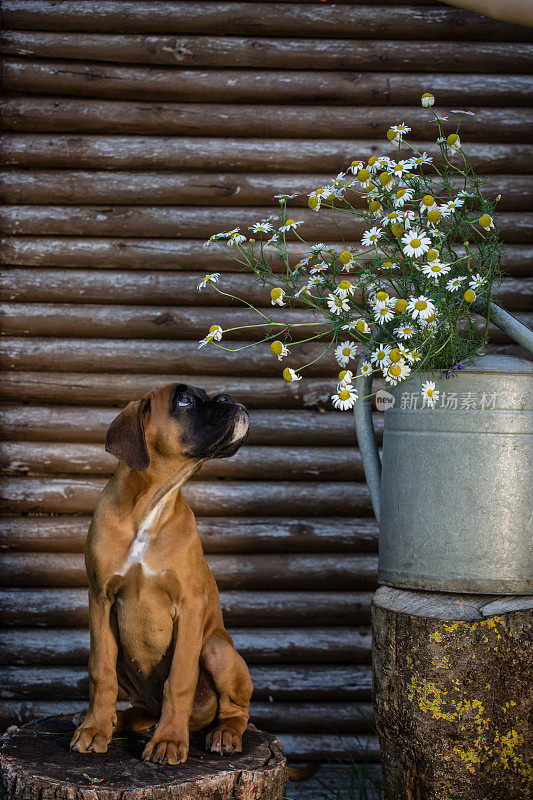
(375, 205)
(395, 355)
(485, 220)
(344, 285)
(415, 243)
(342, 374)
(346, 351)
(436, 268)
(355, 163)
(434, 215)
(400, 193)
(385, 178)
(312, 202)
(397, 230)
(360, 325)
(469, 296)
(338, 302)
(275, 294)
(421, 305)
(363, 175)
(398, 167)
(289, 222)
(382, 296)
(287, 374)
(430, 393)
(387, 265)
(428, 200)
(431, 318)
(427, 94)
(214, 328)
(391, 135)
(432, 255)
(395, 370)
(344, 395)
(277, 347)
(345, 257)
(401, 305)
(452, 139)
(381, 355)
(372, 160)
(383, 312)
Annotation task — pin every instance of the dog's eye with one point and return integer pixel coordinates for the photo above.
(185, 400)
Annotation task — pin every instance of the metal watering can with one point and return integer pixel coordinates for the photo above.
(453, 496)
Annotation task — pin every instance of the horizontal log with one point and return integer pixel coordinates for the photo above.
(70, 647)
(298, 572)
(250, 463)
(262, 53)
(139, 355)
(325, 747)
(264, 19)
(193, 188)
(171, 322)
(62, 114)
(203, 153)
(60, 423)
(199, 223)
(150, 84)
(118, 389)
(218, 535)
(68, 608)
(161, 254)
(207, 498)
(151, 287)
(294, 682)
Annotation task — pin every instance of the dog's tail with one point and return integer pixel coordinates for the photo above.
(302, 773)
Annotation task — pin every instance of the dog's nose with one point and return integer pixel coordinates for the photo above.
(223, 398)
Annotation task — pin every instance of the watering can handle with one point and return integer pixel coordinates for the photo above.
(364, 426)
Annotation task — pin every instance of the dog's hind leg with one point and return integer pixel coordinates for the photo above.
(134, 719)
(234, 688)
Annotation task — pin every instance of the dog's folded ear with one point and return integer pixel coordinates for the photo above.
(126, 438)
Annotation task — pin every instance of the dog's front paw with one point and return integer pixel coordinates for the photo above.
(166, 748)
(92, 736)
(224, 741)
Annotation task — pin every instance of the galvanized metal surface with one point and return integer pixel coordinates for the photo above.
(454, 496)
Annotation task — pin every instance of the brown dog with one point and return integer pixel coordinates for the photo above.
(155, 619)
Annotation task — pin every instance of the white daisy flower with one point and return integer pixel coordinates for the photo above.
(451, 206)
(380, 299)
(400, 167)
(279, 349)
(317, 248)
(402, 196)
(212, 278)
(346, 260)
(359, 325)
(318, 268)
(345, 399)
(283, 197)
(415, 243)
(366, 368)
(422, 159)
(315, 200)
(290, 225)
(427, 99)
(261, 227)
(371, 237)
(290, 375)
(454, 142)
(397, 372)
(277, 296)
(380, 357)
(345, 378)
(214, 335)
(404, 331)
(430, 395)
(420, 307)
(460, 111)
(236, 238)
(476, 281)
(315, 280)
(393, 217)
(486, 222)
(355, 166)
(345, 288)
(428, 204)
(407, 218)
(435, 269)
(214, 238)
(383, 315)
(455, 283)
(337, 304)
(302, 291)
(401, 129)
(344, 352)
(390, 265)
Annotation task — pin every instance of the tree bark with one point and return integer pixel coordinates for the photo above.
(452, 678)
(36, 764)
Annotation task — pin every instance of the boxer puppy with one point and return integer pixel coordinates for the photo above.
(155, 621)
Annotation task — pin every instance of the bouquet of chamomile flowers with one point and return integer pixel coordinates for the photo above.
(403, 298)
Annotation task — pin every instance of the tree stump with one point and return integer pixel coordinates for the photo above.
(36, 764)
(452, 695)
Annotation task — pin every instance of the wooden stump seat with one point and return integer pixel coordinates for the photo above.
(36, 764)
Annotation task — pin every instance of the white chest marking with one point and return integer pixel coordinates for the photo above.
(141, 540)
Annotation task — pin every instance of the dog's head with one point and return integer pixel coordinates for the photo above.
(177, 423)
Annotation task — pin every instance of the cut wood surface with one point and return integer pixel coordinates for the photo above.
(66, 534)
(248, 86)
(205, 189)
(238, 18)
(214, 153)
(207, 498)
(270, 53)
(61, 114)
(68, 608)
(67, 646)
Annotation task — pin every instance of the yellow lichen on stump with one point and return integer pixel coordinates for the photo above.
(451, 696)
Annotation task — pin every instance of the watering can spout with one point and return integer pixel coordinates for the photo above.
(363, 408)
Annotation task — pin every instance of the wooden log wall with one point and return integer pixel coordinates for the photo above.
(131, 132)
